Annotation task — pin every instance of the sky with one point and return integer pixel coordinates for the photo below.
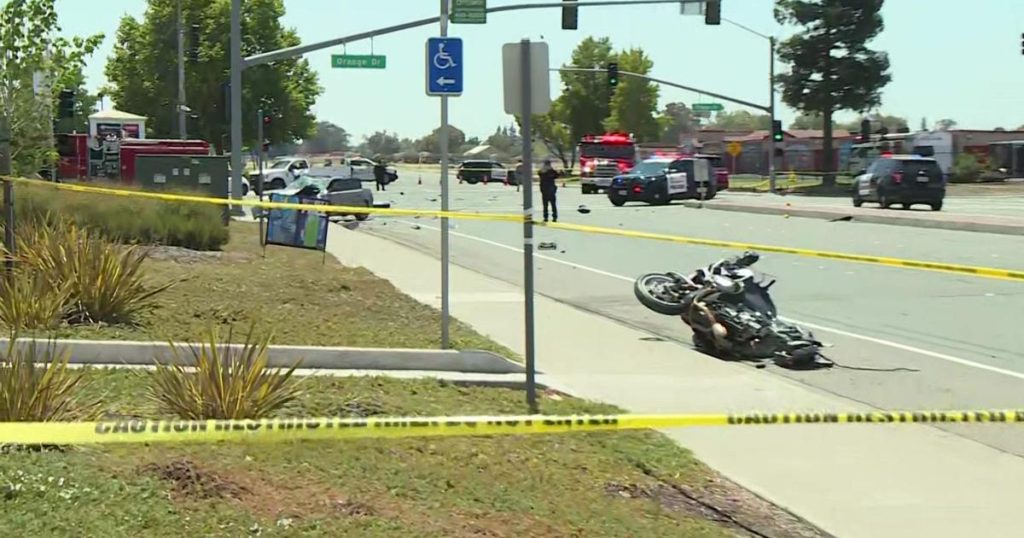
(949, 59)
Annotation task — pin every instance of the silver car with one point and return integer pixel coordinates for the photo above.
(344, 191)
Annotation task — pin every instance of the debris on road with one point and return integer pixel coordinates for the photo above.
(415, 226)
(547, 245)
(847, 218)
(583, 209)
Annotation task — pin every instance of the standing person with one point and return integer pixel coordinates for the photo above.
(548, 188)
(380, 175)
(520, 173)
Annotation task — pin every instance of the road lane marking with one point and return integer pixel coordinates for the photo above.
(879, 341)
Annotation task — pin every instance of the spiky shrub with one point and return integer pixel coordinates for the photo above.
(36, 384)
(105, 281)
(29, 301)
(226, 382)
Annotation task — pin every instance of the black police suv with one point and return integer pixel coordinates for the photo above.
(660, 180)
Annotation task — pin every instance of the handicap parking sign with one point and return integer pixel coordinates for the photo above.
(444, 66)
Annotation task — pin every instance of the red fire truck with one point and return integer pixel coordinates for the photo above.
(602, 157)
(82, 157)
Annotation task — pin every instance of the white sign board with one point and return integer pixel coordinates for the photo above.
(540, 78)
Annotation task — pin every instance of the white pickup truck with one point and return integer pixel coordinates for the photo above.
(284, 171)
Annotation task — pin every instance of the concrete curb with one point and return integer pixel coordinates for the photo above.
(895, 220)
(106, 352)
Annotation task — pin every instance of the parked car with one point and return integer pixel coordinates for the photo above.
(901, 179)
(280, 173)
(344, 191)
(476, 171)
(660, 180)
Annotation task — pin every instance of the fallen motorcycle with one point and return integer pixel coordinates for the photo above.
(732, 315)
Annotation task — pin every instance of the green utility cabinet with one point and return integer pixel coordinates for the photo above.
(197, 175)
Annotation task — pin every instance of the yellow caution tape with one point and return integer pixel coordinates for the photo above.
(269, 205)
(168, 431)
(987, 272)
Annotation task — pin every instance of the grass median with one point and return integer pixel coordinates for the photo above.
(294, 293)
(601, 484)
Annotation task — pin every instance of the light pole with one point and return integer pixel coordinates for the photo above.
(181, 76)
(771, 96)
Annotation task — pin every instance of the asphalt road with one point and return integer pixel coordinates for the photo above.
(944, 341)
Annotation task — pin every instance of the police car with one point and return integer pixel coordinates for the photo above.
(660, 180)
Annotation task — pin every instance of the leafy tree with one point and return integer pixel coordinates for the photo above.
(831, 67)
(430, 143)
(327, 138)
(382, 143)
(635, 101)
(553, 130)
(945, 124)
(586, 96)
(143, 81)
(676, 120)
(29, 44)
(503, 140)
(741, 120)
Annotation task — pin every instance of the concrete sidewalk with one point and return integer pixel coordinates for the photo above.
(919, 219)
(851, 481)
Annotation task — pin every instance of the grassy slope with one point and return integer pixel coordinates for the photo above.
(293, 293)
(508, 486)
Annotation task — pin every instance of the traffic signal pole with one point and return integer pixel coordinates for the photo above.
(182, 125)
(771, 112)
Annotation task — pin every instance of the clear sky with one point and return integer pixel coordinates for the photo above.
(950, 59)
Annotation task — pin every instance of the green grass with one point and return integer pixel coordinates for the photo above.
(291, 292)
(566, 485)
(130, 220)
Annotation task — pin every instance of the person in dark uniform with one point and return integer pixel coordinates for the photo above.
(547, 176)
(380, 174)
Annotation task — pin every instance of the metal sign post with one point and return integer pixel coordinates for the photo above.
(445, 252)
(259, 166)
(527, 98)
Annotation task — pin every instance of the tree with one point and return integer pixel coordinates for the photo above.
(143, 82)
(891, 123)
(945, 124)
(430, 143)
(635, 100)
(742, 120)
(327, 138)
(553, 130)
(831, 67)
(586, 96)
(676, 120)
(382, 143)
(29, 44)
(502, 140)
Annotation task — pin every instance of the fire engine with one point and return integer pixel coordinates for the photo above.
(82, 156)
(602, 157)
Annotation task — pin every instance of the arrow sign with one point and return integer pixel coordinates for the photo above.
(443, 61)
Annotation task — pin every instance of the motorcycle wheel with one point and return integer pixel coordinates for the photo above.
(646, 288)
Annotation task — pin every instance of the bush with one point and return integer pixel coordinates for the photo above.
(104, 282)
(966, 169)
(36, 385)
(225, 383)
(127, 220)
(29, 301)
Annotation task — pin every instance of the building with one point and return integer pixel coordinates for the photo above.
(117, 123)
(801, 150)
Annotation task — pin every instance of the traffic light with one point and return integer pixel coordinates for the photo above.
(865, 130)
(570, 15)
(194, 40)
(777, 134)
(613, 74)
(713, 12)
(66, 104)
